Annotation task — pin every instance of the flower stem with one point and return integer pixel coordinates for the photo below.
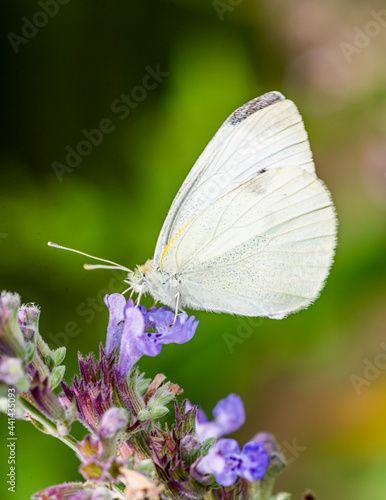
(68, 440)
(265, 487)
(48, 424)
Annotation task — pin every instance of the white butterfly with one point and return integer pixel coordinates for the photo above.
(252, 229)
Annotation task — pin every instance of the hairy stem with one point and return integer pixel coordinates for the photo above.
(48, 424)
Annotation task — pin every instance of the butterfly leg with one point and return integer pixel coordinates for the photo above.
(176, 309)
(140, 294)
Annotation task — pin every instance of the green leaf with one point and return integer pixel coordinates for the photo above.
(29, 352)
(56, 376)
(159, 411)
(59, 355)
(49, 360)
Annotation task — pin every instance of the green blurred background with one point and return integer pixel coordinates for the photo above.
(294, 375)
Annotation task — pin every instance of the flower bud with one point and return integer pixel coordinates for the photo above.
(12, 373)
(158, 411)
(11, 338)
(190, 449)
(161, 397)
(28, 319)
(70, 412)
(112, 423)
(276, 459)
(143, 415)
(63, 428)
(46, 400)
(268, 441)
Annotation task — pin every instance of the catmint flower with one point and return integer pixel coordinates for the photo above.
(255, 461)
(229, 416)
(134, 331)
(225, 462)
(125, 324)
(161, 330)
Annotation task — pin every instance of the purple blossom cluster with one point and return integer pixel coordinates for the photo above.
(226, 462)
(129, 452)
(135, 331)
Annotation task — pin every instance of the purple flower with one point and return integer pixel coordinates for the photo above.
(255, 460)
(160, 330)
(134, 331)
(225, 462)
(229, 415)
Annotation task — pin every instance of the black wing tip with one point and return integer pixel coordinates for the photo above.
(254, 105)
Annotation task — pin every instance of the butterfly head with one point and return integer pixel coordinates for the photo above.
(149, 278)
(137, 278)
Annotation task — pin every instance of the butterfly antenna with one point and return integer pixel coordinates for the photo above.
(90, 266)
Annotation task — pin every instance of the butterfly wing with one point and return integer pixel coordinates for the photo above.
(260, 135)
(263, 249)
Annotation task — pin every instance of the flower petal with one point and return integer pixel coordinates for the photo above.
(133, 328)
(180, 332)
(220, 461)
(255, 460)
(116, 303)
(229, 414)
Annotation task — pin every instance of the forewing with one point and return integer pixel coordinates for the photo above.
(265, 133)
(264, 249)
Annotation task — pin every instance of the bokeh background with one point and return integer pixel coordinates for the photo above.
(295, 375)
